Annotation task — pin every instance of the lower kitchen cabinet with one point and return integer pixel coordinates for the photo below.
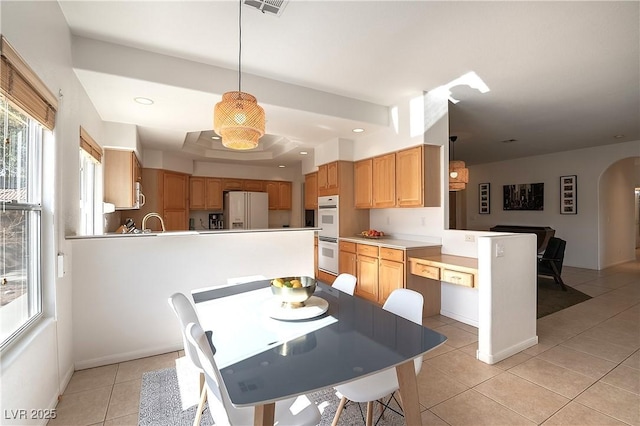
(390, 278)
(347, 258)
(367, 274)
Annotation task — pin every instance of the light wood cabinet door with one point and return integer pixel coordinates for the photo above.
(274, 194)
(347, 263)
(322, 178)
(176, 220)
(197, 193)
(121, 171)
(363, 176)
(284, 195)
(328, 179)
(410, 177)
(253, 185)
(384, 181)
(232, 184)
(333, 177)
(311, 191)
(390, 278)
(174, 191)
(367, 273)
(214, 194)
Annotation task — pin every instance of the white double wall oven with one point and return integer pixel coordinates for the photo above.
(328, 234)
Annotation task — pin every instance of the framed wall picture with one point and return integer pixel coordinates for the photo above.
(528, 196)
(569, 194)
(484, 198)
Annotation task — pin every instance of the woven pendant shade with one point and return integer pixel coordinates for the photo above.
(239, 120)
(461, 173)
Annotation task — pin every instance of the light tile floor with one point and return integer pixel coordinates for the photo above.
(584, 371)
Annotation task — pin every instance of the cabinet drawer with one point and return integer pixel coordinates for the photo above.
(431, 272)
(457, 277)
(392, 254)
(367, 250)
(347, 246)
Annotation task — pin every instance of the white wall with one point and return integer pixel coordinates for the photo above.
(581, 230)
(135, 275)
(35, 370)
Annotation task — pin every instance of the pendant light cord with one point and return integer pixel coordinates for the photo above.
(240, 48)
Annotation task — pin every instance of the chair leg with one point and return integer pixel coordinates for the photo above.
(343, 401)
(369, 413)
(556, 276)
(203, 399)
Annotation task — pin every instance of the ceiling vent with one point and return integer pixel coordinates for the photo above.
(272, 7)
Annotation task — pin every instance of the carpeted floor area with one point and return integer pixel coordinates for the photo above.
(552, 299)
(169, 398)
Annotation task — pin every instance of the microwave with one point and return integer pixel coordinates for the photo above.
(138, 196)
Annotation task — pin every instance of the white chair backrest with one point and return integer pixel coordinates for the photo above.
(186, 314)
(345, 283)
(217, 397)
(407, 304)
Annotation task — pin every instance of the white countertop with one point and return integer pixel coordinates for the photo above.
(391, 242)
(178, 233)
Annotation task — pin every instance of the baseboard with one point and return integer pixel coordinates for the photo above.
(506, 353)
(64, 382)
(128, 356)
(457, 317)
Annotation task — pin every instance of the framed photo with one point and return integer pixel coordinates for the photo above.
(569, 194)
(528, 196)
(484, 198)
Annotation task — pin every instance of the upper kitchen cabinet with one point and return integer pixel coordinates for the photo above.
(205, 193)
(328, 179)
(363, 177)
(253, 185)
(279, 195)
(418, 176)
(311, 191)
(384, 181)
(232, 184)
(175, 209)
(407, 178)
(121, 172)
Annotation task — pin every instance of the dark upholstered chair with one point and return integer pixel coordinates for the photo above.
(550, 264)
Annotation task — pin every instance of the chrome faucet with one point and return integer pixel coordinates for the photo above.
(150, 215)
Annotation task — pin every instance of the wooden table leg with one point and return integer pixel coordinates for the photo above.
(264, 414)
(409, 392)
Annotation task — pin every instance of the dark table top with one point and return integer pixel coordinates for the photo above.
(262, 359)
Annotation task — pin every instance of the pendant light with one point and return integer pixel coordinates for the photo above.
(238, 118)
(458, 173)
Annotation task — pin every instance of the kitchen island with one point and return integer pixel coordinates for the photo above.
(121, 282)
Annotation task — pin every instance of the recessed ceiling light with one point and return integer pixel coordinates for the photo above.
(358, 130)
(303, 152)
(619, 136)
(143, 101)
(215, 138)
(282, 166)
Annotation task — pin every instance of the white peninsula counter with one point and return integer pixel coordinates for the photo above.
(121, 282)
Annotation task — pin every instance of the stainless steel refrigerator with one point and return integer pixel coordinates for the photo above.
(246, 210)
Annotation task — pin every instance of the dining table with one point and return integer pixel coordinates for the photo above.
(267, 352)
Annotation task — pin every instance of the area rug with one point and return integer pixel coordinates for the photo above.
(551, 297)
(164, 392)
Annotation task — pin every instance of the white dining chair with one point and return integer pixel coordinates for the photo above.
(293, 411)
(186, 314)
(345, 283)
(407, 304)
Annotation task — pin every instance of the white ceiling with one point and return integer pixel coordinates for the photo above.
(562, 75)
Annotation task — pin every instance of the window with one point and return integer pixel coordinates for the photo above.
(87, 194)
(27, 110)
(90, 194)
(20, 220)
